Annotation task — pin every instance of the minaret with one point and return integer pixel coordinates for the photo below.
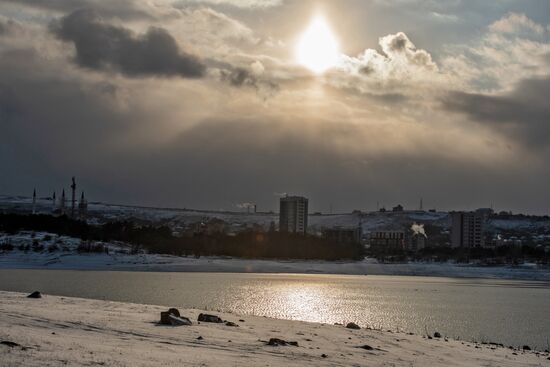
(82, 207)
(53, 202)
(34, 201)
(73, 198)
(62, 203)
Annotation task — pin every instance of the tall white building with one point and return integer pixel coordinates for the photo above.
(293, 212)
(468, 229)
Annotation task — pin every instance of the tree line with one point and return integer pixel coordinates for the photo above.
(160, 240)
(500, 255)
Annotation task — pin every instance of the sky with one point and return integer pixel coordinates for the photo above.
(203, 103)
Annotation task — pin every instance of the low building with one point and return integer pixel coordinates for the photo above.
(498, 241)
(398, 208)
(387, 240)
(343, 235)
(417, 242)
(208, 226)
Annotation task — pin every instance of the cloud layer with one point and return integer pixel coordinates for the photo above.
(200, 103)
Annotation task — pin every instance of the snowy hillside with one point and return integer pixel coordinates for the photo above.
(177, 218)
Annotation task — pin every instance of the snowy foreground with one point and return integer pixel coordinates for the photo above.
(54, 331)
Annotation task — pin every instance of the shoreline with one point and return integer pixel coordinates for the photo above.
(168, 263)
(62, 330)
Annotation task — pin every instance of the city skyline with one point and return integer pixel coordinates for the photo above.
(213, 103)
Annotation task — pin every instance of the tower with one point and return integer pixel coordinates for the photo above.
(62, 203)
(73, 198)
(53, 201)
(82, 207)
(34, 201)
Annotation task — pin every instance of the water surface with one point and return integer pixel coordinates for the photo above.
(509, 312)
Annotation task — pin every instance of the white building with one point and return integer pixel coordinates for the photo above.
(468, 229)
(293, 213)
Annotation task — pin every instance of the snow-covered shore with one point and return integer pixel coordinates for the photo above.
(151, 262)
(54, 331)
(119, 257)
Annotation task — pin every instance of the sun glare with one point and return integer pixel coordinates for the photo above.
(317, 48)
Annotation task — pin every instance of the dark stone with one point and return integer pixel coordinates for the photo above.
(210, 318)
(241, 320)
(437, 334)
(179, 321)
(366, 347)
(280, 342)
(232, 324)
(352, 325)
(526, 347)
(165, 318)
(200, 338)
(35, 294)
(9, 344)
(174, 311)
(324, 355)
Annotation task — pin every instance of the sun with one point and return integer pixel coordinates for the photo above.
(317, 48)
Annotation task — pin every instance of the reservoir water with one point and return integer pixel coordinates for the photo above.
(508, 312)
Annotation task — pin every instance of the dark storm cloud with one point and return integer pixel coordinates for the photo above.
(241, 77)
(248, 160)
(522, 114)
(399, 42)
(389, 98)
(103, 46)
(7, 27)
(50, 123)
(124, 9)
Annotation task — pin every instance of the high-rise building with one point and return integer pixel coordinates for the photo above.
(467, 229)
(293, 212)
